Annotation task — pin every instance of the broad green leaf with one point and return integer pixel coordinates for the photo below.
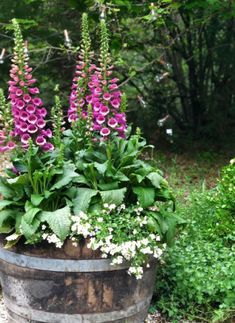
(20, 180)
(4, 203)
(108, 186)
(153, 226)
(101, 167)
(6, 214)
(36, 199)
(82, 200)
(28, 230)
(30, 215)
(59, 221)
(155, 179)
(146, 195)
(5, 190)
(68, 175)
(113, 196)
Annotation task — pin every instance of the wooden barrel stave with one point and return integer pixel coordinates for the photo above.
(33, 295)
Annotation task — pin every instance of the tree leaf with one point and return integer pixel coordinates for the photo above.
(113, 196)
(146, 195)
(155, 179)
(82, 200)
(59, 221)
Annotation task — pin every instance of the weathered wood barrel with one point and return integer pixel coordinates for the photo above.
(71, 285)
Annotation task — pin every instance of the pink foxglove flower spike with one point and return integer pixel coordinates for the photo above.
(27, 107)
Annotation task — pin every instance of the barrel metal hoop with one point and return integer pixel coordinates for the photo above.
(59, 265)
(49, 317)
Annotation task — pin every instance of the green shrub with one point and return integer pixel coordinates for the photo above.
(197, 277)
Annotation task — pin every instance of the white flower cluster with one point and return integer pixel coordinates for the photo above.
(142, 221)
(104, 238)
(52, 238)
(81, 226)
(137, 271)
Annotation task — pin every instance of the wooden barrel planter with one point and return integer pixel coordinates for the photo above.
(71, 285)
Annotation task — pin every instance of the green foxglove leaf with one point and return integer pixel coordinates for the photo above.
(108, 186)
(101, 167)
(4, 203)
(28, 230)
(20, 180)
(68, 175)
(5, 215)
(59, 221)
(146, 195)
(113, 196)
(36, 199)
(5, 190)
(30, 215)
(155, 179)
(82, 200)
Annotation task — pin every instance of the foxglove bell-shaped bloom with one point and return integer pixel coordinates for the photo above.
(26, 106)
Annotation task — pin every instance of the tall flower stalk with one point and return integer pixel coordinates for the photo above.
(6, 123)
(27, 107)
(79, 97)
(108, 118)
(94, 86)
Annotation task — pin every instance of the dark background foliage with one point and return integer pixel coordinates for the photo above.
(174, 58)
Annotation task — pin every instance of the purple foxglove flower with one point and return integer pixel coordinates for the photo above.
(25, 138)
(11, 145)
(115, 103)
(18, 92)
(100, 119)
(32, 128)
(27, 98)
(34, 90)
(40, 141)
(114, 80)
(48, 147)
(107, 96)
(113, 86)
(20, 104)
(23, 127)
(41, 123)
(32, 119)
(104, 110)
(30, 109)
(37, 102)
(112, 122)
(24, 115)
(104, 132)
(47, 133)
(42, 112)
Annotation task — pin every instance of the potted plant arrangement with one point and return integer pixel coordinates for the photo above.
(83, 217)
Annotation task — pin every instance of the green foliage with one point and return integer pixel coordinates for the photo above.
(196, 280)
(114, 172)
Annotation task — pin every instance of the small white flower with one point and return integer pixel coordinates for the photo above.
(44, 227)
(100, 219)
(106, 205)
(112, 206)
